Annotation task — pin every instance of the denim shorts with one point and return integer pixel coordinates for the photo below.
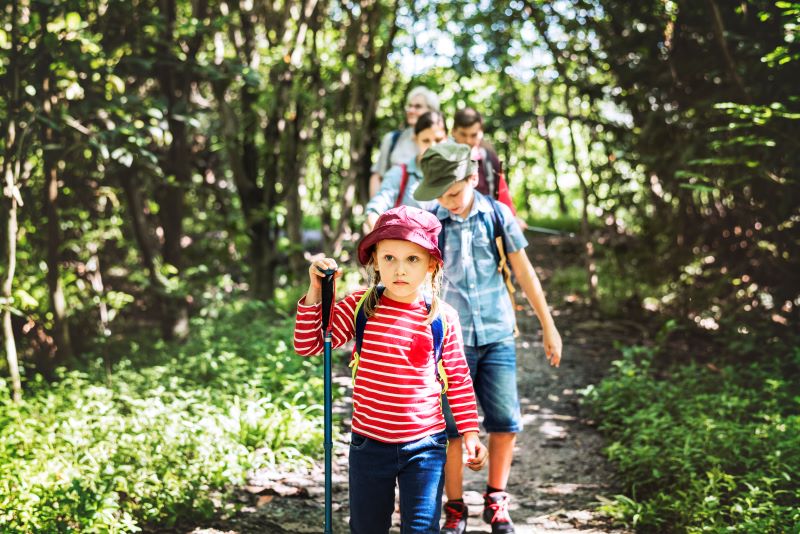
(493, 368)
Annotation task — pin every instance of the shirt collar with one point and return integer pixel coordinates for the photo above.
(481, 203)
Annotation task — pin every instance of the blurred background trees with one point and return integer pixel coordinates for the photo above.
(160, 154)
(168, 164)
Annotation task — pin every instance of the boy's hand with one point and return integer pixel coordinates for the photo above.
(552, 345)
(316, 271)
(476, 452)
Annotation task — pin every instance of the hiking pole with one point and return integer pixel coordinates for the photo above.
(328, 286)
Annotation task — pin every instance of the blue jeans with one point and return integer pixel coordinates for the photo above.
(418, 466)
(493, 368)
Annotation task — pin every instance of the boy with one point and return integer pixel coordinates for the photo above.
(476, 289)
(468, 130)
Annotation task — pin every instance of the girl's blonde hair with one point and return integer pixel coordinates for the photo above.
(370, 304)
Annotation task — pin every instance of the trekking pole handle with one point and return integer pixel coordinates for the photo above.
(327, 296)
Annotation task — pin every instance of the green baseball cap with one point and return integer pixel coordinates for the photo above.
(443, 165)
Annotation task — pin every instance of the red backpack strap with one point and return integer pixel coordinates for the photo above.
(403, 184)
(503, 194)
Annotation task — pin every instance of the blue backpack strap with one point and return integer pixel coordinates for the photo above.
(360, 323)
(497, 229)
(444, 222)
(395, 137)
(501, 254)
(438, 331)
(361, 317)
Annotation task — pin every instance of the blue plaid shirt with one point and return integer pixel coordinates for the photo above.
(472, 285)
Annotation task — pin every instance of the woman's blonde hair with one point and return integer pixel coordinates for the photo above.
(370, 304)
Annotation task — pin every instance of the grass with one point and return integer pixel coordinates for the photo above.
(174, 428)
(703, 449)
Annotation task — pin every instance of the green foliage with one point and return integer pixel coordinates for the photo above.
(172, 426)
(701, 449)
(621, 289)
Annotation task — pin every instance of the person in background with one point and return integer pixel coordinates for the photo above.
(400, 181)
(468, 130)
(398, 146)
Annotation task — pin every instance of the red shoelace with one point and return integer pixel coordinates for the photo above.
(500, 510)
(452, 516)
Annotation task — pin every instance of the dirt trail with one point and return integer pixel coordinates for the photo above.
(559, 473)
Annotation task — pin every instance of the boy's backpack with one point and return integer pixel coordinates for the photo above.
(496, 182)
(497, 230)
(438, 329)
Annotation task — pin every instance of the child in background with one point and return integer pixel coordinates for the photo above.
(468, 130)
(400, 181)
(476, 288)
(398, 429)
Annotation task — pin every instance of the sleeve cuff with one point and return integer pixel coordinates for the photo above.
(302, 306)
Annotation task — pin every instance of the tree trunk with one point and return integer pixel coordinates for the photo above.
(719, 34)
(558, 58)
(293, 180)
(543, 127)
(50, 160)
(176, 86)
(364, 97)
(586, 237)
(146, 248)
(12, 194)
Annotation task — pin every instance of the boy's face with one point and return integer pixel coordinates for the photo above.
(403, 266)
(458, 198)
(470, 135)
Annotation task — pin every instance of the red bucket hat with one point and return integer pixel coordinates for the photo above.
(407, 223)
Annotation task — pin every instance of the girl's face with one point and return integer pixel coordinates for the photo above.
(459, 197)
(403, 266)
(414, 108)
(429, 137)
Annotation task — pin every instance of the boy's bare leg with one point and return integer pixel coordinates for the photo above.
(501, 452)
(454, 469)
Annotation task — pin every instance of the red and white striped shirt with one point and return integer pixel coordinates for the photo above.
(396, 396)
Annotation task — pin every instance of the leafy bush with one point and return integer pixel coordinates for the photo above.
(703, 449)
(171, 426)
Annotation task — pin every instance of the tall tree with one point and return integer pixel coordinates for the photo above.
(11, 165)
(52, 147)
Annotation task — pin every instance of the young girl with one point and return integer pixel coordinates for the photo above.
(398, 427)
(400, 181)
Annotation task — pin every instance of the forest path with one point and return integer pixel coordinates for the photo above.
(559, 473)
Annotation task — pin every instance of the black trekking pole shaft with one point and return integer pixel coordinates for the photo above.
(327, 303)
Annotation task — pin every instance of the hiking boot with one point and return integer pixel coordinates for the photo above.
(495, 512)
(455, 518)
